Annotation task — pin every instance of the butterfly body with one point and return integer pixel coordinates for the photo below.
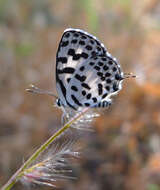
(86, 74)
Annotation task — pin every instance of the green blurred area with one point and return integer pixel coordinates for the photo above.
(124, 151)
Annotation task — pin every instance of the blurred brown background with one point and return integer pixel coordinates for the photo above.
(124, 152)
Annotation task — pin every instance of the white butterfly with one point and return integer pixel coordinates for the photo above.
(86, 74)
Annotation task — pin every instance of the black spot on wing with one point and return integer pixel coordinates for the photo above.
(80, 78)
(88, 47)
(93, 54)
(71, 52)
(84, 55)
(114, 69)
(92, 41)
(64, 44)
(68, 80)
(108, 81)
(76, 101)
(81, 42)
(76, 34)
(67, 35)
(62, 59)
(110, 62)
(104, 59)
(82, 68)
(97, 68)
(107, 74)
(115, 87)
(84, 37)
(99, 48)
(66, 70)
(85, 85)
(104, 95)
(87, 104)
(83, 92)
(105, 68)
(100, 89)
(72, 31)
(107, 88)
(74, 88)
(77, 56)
(100, 63)
(94, 99)
(74, 41)
(91, 63)
(88, 96)
(100, 74)
(103, 78)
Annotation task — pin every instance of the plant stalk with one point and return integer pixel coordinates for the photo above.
(20, 172)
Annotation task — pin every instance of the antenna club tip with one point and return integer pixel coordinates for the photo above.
(129, 75)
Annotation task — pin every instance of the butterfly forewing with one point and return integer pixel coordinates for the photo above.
(86, 74)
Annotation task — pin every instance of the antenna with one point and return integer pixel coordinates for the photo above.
(36, 90)
(129, 75)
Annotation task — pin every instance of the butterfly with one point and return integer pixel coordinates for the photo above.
(86, 74)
